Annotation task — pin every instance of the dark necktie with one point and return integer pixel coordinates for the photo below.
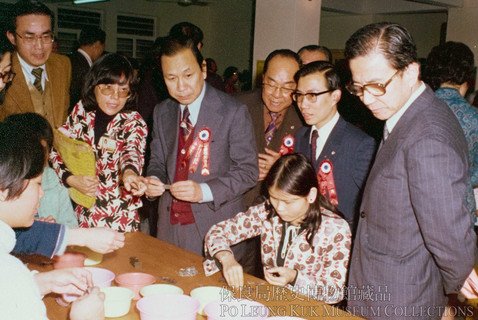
(313, 145)
(271, 128)
(186, 125)
(37, 72)
(386, 133)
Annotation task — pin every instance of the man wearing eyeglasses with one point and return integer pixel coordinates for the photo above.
(42, 78)
(415, 242)
(340, 152)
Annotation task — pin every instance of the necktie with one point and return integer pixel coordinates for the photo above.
(313, 145)
(386, 133)
(186, 125)
(271, 128)
(37, 72)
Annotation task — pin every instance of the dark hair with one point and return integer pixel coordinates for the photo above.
(294, 174)
(330, 73)
(230, 71)
(390, 39)
(26, 7)
(287, 53)
(173, 45)
(5, 45)
(90, 35)
(21, 158)
(452, 62)
(314, 47)
(111, 68)
(188, 30)
(33, 124)
(209, 63)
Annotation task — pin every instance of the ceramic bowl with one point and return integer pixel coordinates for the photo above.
(160, 288)
(236, 309)
(135, 281)
(69, 260)
(101, 277)
(168, 307)
(117, 301)
(209, 294)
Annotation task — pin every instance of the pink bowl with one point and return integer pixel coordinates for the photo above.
(69, 260)
(168, 307)
(236, 309)
(135, 281)
(101, 277)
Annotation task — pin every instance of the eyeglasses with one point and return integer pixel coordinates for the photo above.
(309, 96)
(271, 88)
(31, 39)
(7, 76)
(376, 89)
(109, 90)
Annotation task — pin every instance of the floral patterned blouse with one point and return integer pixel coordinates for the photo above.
(122, 149)
(322, 270)
(467, 116)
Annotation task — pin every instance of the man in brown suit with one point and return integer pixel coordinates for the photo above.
(42, 78)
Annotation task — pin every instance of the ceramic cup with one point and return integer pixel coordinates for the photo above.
(135, 281)
(117, 301)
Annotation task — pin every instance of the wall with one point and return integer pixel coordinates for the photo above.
(336, 28)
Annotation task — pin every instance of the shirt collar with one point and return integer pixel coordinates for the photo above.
(392, 121)
(87, 57)
(195, 106)
(27, 70)
(326, 129)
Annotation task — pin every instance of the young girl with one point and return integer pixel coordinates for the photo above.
(21, 164)
(305, 245)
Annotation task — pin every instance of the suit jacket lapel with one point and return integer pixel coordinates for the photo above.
(333, 141)
(19, 91)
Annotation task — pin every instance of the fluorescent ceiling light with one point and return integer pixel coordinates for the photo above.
(87, 1)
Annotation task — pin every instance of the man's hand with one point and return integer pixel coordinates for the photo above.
(266, 160)
(85, 184)
(188, 190)
(154, 187)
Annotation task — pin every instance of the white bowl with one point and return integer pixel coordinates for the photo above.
(117, 301)
(209, 294)
(160, 288)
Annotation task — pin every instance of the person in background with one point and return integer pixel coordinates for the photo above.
(202, 150)
(305, 244)
(22, 161)
(449, 70)
(313, 53)
(105, 119)
(91, 47)
(188, 30)
(415, 239)
(42, 78)
(231, 77)
(55, 205)
(341, 153)
(212, 77)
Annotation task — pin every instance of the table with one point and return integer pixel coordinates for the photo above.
(164, 260)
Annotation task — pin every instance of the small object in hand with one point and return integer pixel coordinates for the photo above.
(188, 272)
(135, 262)
(167, 187)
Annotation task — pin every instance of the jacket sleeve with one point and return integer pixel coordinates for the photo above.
(41, 238)
(135, 133)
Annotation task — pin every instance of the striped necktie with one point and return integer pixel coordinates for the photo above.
(37, 72)
(186, 125)
(271, 128)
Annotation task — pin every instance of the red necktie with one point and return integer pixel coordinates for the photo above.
(186, 125)
(313, 145)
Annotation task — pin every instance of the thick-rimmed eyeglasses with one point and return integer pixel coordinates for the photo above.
(376, 89)
(271, 88)
(309, 96)
(7, 76)
(109, 90)
(30, 39)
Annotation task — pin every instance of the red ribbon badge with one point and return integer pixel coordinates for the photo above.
(325, 175)
(200, 146)
(287, 145)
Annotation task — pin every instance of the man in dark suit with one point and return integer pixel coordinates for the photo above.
(274, 116)
(42, 77)
(415, 241)
(340, 152)
(91, 47)
(202, 149)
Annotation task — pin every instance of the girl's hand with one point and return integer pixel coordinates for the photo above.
(231, 269)
(73, 281)
(280, 276)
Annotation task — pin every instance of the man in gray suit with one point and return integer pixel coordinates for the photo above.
(415, 242)
(202, 149)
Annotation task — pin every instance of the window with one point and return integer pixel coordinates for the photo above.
(70, 23)
(135, 35)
